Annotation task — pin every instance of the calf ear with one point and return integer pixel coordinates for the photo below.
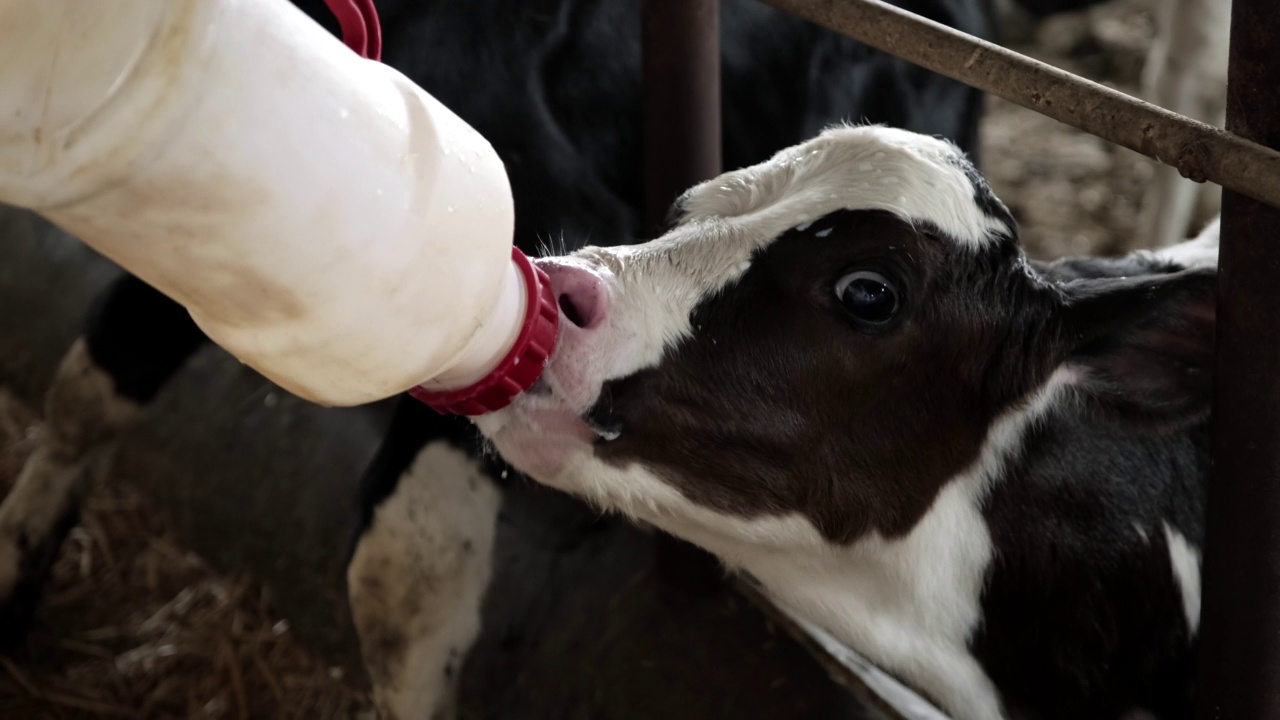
(1141, 348)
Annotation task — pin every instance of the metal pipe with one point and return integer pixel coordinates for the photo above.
(1240, 628)
(681, 85)
(1200, 152)
(681, 45)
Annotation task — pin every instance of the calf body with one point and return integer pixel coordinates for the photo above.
(840, 374)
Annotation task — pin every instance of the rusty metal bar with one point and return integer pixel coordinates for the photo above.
(681, 45)
(1240, 630)
(680, 40)
(1200, 152)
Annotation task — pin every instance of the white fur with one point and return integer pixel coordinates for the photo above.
(1142, 532)
(902, 699)
(417, 579)
(1184, 558)
(1200, 252)
(858, 168)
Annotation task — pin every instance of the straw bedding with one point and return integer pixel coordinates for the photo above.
(133, 625)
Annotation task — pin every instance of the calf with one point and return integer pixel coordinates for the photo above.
(839, 373)
(555, 86)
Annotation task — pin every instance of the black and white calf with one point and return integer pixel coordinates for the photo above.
(560, 102)
(839, 373)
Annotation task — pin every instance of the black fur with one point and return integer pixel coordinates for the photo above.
(139, 337)
(1082, 616)
(983, 197)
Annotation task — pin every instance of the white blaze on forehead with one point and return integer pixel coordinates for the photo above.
(916, 177)
(657, 285)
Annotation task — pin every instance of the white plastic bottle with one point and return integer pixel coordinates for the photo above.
(321, 217)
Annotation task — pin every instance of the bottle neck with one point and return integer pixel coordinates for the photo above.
(492, 340)
(524, 360)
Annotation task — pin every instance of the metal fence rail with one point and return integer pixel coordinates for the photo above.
(1240, 619)
(681, 41)
(682, 147)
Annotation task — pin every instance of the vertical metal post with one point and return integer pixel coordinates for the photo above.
(1240, 638)
(681, 47)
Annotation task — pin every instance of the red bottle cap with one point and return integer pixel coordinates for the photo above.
(522, 365)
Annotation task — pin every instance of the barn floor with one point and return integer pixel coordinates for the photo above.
(135, 625)
(1071, 192)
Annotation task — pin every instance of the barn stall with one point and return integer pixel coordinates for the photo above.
(206, 580)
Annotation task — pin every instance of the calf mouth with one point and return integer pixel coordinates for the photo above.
(543, 403)
(598, 418)
(543, 397)
(542, 434)
(606, 427)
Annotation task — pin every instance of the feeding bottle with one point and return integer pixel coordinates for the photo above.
(321, 217)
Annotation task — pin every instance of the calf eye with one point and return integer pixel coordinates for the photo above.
(868, 296)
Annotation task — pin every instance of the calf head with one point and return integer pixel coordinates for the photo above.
(825, 341)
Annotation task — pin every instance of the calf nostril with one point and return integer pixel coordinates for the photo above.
(579, 307)
(581, 294)
(571, 311)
